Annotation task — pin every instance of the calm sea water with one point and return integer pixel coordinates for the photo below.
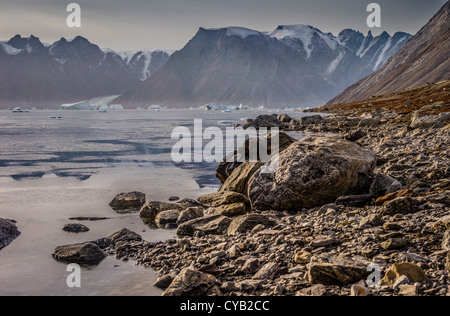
(51, 170)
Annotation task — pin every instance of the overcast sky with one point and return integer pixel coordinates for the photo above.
(170, 24)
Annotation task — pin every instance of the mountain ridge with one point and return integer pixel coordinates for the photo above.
(47, 75)
(424, 59)
(314, 57)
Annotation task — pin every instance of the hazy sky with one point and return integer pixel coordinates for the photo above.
(170, 24)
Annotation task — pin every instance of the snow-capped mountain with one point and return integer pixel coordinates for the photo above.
(344, 59)
(295, 65)
(47, 75)
(231, 66)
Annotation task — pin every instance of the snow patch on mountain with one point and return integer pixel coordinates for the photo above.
(305, 33)
(302, 32)
(382, 58)
(335, 63)
(241, 32)
(8, 49)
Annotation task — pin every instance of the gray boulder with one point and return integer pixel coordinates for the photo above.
(313, 172)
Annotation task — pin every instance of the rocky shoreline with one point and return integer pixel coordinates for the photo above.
(361, 200)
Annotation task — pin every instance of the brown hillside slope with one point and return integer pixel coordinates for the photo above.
(402, 102)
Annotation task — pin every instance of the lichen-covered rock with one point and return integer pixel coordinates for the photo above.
(8, 232)
(191, 282)
(313, 172)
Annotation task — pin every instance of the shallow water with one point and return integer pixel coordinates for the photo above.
(51, 170)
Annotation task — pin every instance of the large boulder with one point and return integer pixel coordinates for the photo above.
(207, 225)
(128, 202)
(313, 172)
(8, 232)
(191, 282)
(83, 253)
(233, 161)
